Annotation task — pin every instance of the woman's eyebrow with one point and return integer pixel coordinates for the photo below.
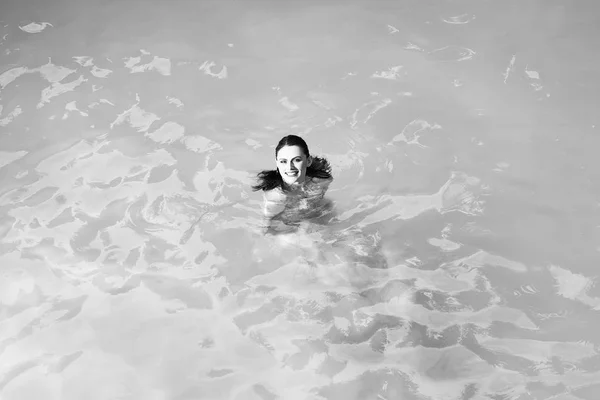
(285, 159)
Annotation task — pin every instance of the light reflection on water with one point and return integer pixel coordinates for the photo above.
(458, 262)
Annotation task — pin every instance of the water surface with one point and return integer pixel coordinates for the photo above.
(461, 263)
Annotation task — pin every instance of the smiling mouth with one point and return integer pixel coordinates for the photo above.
(292, 174)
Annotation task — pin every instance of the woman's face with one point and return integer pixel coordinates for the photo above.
(292, 164)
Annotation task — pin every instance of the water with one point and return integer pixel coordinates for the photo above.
(461, 260)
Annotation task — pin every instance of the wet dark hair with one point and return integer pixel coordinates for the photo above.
(271, 179)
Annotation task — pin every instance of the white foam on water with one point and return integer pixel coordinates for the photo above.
(9, 157)
(285, 102)
(459, 19)
(56, 89)
(72, 106)
(206, 67)
(412, 46)
(539, 352)
(34, 27)
(173, 100)
(11, 75)
(53, 73)
(379, 106)
(444, 244)
(84, 61)
(158, 64)
(167, 133)
(100, 72)
(253, 143)
(372, 107)
(393, 73)
(200, 144)
(574, 286)
(132, 62)
(452, 53)
(137, 118)
(510, 68)
(10, 116)
(413, 131)
(454, 195)
(532, 74)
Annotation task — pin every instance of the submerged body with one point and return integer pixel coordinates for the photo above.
(285, 210)
(295, 190)
(302, 219)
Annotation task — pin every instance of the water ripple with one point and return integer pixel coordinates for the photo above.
(133, 257)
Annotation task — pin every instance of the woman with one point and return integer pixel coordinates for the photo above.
(294, 191)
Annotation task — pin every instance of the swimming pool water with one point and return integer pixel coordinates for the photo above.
(462, 260)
